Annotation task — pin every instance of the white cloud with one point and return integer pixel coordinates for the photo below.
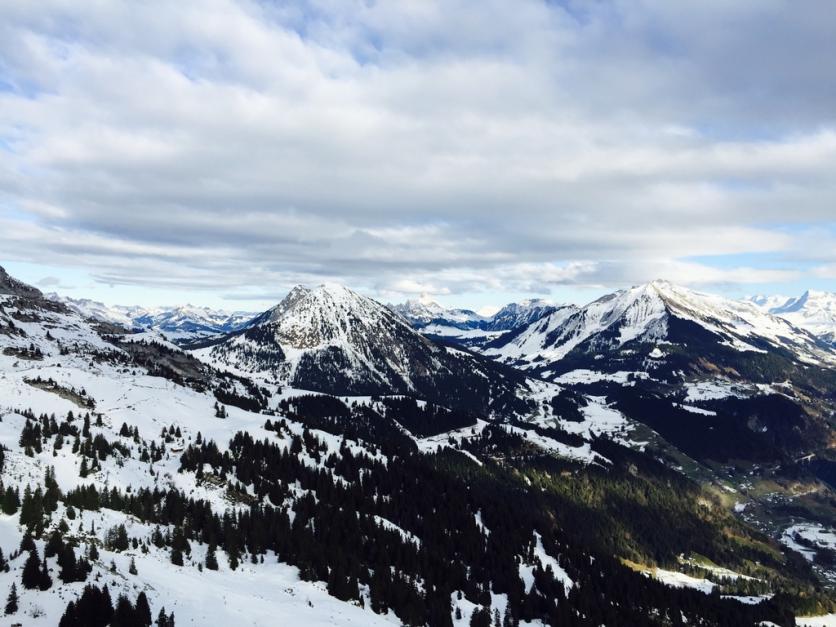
(416, 147)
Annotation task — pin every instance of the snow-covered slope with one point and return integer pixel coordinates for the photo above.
(334, 340)
(95, 310)
(53, 362)
(814, 311)
(292, 508)
(653, 314)
(768, 302)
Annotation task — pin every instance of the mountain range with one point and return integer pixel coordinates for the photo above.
(333, 460)
(181, 323)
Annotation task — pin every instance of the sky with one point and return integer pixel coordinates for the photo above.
(219, 152)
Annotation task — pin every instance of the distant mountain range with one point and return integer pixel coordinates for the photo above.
(178, 323)
(465, 327)
(426, 313)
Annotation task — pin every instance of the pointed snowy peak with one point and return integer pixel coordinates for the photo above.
(325, 315)
(334, 340)
(814, 311)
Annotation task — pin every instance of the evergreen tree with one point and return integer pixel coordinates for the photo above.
(12, 601)
(31, 577)
(143, 610)
(67, 564)
(123, 613)
(481, 617)
(211, 558)
(44, 581)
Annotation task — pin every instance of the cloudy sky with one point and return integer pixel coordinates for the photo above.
(219, 152)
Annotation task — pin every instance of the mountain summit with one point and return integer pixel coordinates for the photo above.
(630, 324)
(332, 339)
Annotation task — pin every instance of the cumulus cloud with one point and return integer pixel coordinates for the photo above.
(407, 148)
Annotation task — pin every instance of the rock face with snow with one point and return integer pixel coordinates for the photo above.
(11, 286)
(515, 315)
(334, 340)
(814, 311)
(629, 325)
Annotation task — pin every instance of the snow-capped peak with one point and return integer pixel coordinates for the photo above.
(330, 312)
(644, 313)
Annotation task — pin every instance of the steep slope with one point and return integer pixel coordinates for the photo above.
(12, 287)
(718, 379)
(768, 302)
(333, 340)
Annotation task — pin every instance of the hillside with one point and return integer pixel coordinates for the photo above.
(129, 464)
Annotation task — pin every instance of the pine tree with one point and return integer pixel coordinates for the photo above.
(176, 556)
(132, 568)
(68, 565)
(123, 614)
(44, 581)
(31, 577)
(143, 610)
(481, 617)
(12, 601)
(211, 558)
(70, 617)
